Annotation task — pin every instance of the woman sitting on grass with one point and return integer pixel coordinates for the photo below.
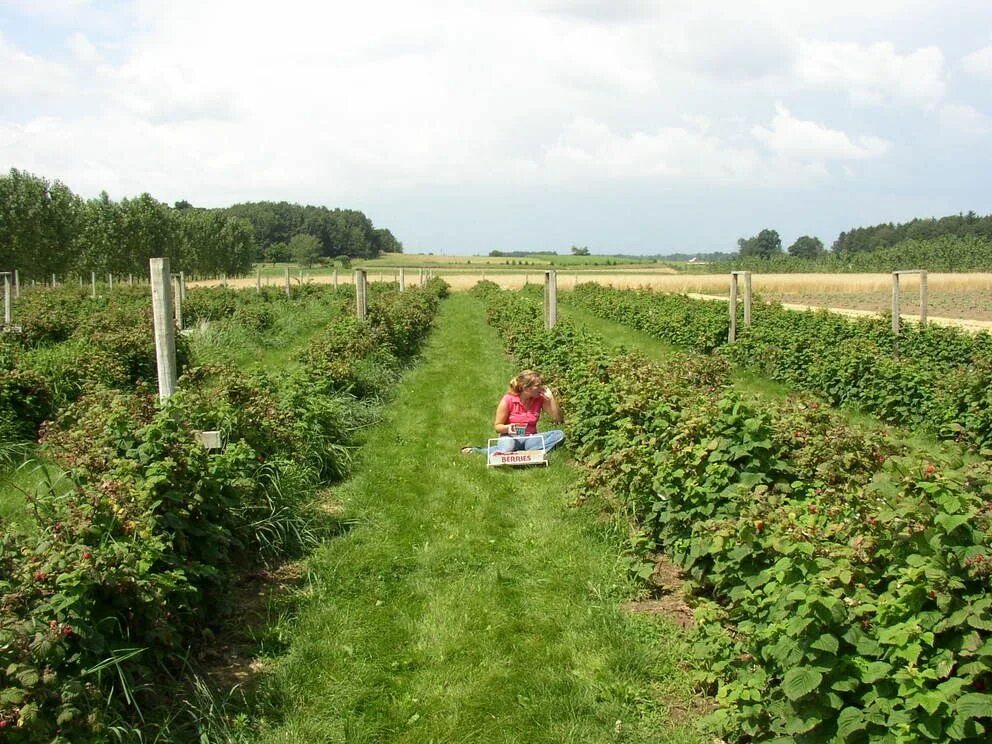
(517, 415)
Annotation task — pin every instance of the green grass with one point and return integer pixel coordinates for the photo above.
(15, 486)
(470, 604)
(275, 348)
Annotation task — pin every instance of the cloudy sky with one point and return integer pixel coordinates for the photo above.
(626, 126)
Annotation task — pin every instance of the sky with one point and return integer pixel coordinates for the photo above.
(634, 127)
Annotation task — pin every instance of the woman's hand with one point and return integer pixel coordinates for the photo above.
(548, 394)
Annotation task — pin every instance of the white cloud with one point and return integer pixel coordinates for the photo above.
(26, 75)
(874, 73)
(810, 142)
(964, 120)
(211, 99)
(589, 148)
(979, 63)
(83, 49)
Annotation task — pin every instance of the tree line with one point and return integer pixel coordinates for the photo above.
(767, 244)
(338, 232)
(46, 229)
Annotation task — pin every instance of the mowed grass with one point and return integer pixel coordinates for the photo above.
(466, 604)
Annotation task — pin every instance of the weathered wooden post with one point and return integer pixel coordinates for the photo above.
(361, 297)
(178, 299)
(17, 284)
(924, 297)
(110, 283)
(6, 299)
(896, 298)
(258, 280)
(732, 333)
(747, 299)
(550, 299)
(80, 281)
(288, 291)
(93, 284)
(420, 279)
(165, 329)
(53, 281)
(182, 285)
(335, 277)
(895, 303)
(402, 280)
(130, 280)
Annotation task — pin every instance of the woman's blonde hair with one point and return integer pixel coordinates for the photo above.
(526, 379)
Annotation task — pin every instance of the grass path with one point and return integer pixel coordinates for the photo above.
(466, 604)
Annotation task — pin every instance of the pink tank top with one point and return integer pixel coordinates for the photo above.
(522, 415)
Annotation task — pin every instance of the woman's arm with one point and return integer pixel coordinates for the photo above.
(551, 406)
(501, 423)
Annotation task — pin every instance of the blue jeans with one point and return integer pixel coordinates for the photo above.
(510, 444)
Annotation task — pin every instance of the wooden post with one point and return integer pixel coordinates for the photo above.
(17, 284)
(110, 283)
(895, 303)
(420, 280)
(130, 280)
(182, 285)
(747, 299)
(165, 329)
(258, 280)
(732, 333)
(402, 280)
(380, 276)
(6, 299)
(924, 297)
(335, 277)
(53, 281)
(550, 299)
(288, 293)
(93, 284)
(80, 281)
(178, 299)
(361, 297)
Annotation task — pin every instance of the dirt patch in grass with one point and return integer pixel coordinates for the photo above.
(669, 599)
(232, 660)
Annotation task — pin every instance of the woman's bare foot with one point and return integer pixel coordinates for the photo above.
(468, 450)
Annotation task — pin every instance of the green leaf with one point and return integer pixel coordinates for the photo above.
(974, 705)
(849, 720)
(875, 671)
(800, 681)
(826, 643)
(951, 522)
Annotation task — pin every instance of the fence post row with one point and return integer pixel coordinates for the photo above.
(896, 306)
(361, 297)
(550, 299)
(165, 329)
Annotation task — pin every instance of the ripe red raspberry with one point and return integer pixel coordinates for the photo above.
(86, 556)
(929, 470)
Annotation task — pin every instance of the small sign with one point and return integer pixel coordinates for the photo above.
(518, 457)
(210, 439)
